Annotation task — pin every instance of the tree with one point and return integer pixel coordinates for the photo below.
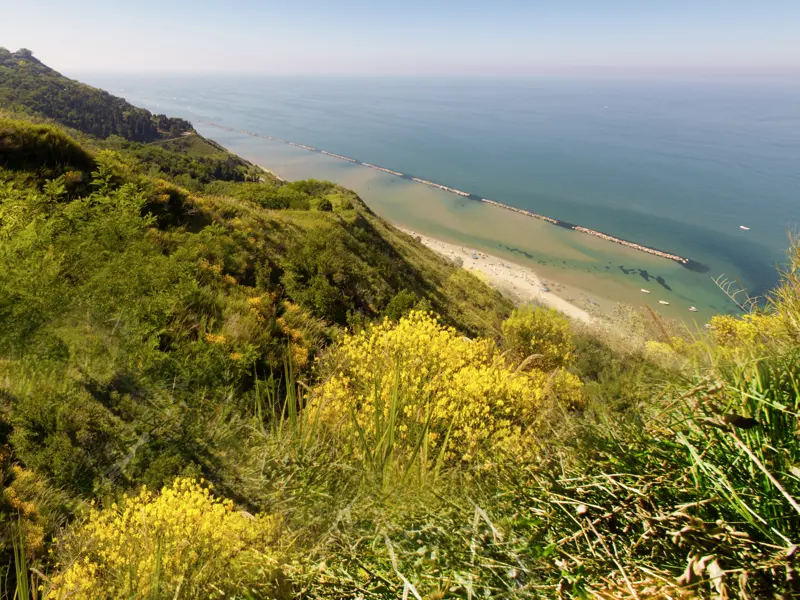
(402, 302)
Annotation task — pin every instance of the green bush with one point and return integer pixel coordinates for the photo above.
(42, 149)
(400, 304)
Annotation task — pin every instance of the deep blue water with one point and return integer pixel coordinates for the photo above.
(677, 165)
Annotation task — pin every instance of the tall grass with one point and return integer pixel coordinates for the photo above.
(691, 492)
(23, 576)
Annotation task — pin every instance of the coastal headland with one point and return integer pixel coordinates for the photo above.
(683, 261)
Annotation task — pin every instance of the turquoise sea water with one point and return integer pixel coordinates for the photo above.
(677, 165)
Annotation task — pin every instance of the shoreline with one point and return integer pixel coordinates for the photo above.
(586, 296)
(524, 283)
(683, 261)
(520, 283)
(271, 172)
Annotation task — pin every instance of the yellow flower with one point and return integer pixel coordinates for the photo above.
(213, 338)
(436, 383)
(200, 544)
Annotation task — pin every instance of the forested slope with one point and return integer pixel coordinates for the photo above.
(27, 84)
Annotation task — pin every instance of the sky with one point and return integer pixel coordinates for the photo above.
(503, 37)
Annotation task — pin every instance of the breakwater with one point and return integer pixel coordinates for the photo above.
(634, 245)
(441, 187)
(521, 211)
(384, 169)
(339, 156)
(693, 265)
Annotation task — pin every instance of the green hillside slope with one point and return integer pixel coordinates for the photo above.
(29, 85)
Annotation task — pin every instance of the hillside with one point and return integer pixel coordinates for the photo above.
(215, 383)
(168, 146)
(29, 85)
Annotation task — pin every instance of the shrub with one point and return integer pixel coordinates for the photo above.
(542, 331)
(44, 148)
(182, 541)
(400, 304)
(311, 187)
(749, 330)
(17, 500)
(293, 198)
(325, 205)
(429, 388)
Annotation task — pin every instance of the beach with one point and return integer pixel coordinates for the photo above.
(520, 283)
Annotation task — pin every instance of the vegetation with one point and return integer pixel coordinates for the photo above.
(190, 161)
(183, 541)
(542, 334)
(434, 392)
(214, 383)
(29, 85)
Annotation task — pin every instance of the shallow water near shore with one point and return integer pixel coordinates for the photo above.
(673, 165)
(577, 266)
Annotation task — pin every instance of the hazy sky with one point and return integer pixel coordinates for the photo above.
(411, 36)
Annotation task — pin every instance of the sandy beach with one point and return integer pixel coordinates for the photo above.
(518, 282)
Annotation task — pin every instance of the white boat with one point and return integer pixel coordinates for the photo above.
(744, 228)
(692, 309)
(663, 302)
(645, 291)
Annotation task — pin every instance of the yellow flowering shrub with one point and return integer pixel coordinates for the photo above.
(540, 331)
(439, 382)
(183, 543)
(566, 387)
(19, 496)
(213, 338)
(660, 353)
(301, 330)
(748, 330)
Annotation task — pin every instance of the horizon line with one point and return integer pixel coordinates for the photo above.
(494, 73)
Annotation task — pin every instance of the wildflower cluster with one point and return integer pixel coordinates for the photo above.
(542, 332)
(213, 338)
(18, 496)
(430, 382)
(750, 330)
(293, 324)
(183, 540)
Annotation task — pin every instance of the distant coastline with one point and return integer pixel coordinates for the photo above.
(686, 262)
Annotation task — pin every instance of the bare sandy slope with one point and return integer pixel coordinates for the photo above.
(520, 283)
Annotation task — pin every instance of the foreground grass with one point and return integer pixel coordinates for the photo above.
(690, 493)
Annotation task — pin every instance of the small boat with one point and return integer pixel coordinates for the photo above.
(664, 302)
(692, 309)
(645, 291)
(742, 227)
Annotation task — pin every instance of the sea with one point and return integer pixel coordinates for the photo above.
(678, 164)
